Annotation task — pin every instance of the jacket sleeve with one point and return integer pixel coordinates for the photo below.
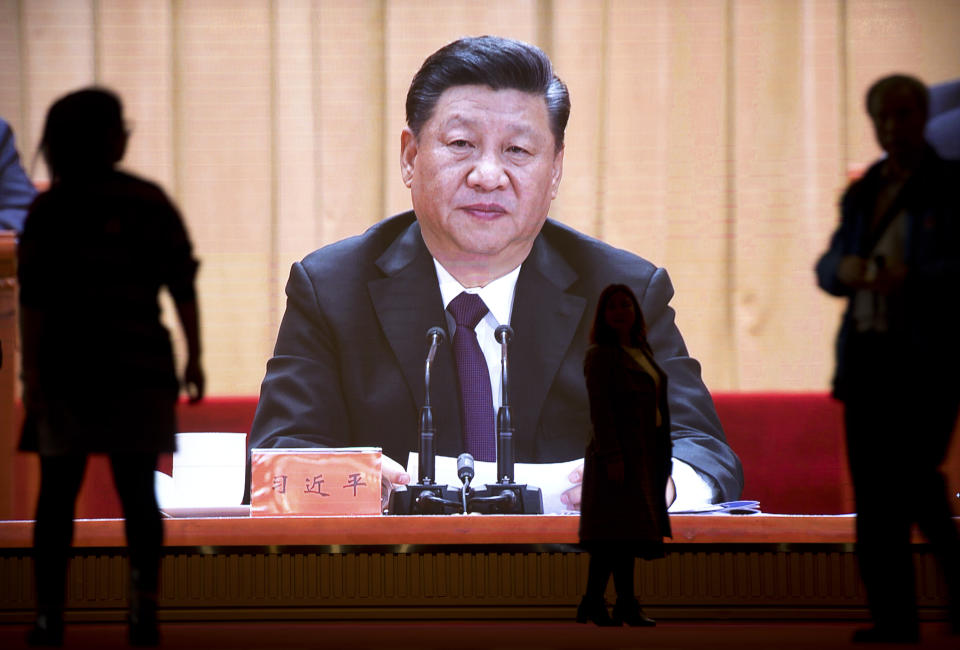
(840, 247)
(697, 434)
(301, 403)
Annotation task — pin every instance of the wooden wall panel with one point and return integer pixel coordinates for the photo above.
(296, 190)
(665, 183)
(579, 56)
(917, 37)
(58, 57)
(134, 58)
(351, 127)
(11, 69)
(224, 155)
(710, 136)
(787, 172)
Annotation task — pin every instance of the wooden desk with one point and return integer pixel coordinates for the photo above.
(455, 567)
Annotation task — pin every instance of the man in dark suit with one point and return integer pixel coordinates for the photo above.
(482, 155)
(896, 258)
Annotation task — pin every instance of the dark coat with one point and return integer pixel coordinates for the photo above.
(98, 366)
(924, 326)
(348, 364)
(623, 402)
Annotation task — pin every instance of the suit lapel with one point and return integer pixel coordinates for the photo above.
(545, 320)
(408, 303)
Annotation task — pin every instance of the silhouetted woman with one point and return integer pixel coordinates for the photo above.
(627, 463)
(98, 368)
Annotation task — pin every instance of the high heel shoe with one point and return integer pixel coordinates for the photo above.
(595, 611)
(629, 612)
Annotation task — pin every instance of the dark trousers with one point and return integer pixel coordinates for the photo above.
(60, 479)
(602, 564)
(898, 428)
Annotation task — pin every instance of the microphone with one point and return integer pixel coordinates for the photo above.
(465, 468)
(504, 496)
(465, 473)
(427, 464)
(435, 336)
(425, 497)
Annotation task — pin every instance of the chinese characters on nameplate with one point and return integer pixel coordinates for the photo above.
(343, 481)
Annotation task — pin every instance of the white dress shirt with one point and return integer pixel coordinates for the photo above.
(693, 489)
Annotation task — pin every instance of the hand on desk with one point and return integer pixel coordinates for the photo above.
(671, 491)
(392, 473)
(571, 498)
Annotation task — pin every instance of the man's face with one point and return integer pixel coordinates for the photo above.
(482, 175)
(898, 121)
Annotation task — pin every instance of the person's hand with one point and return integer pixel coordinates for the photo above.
(571, 497)
(391, 473)
(193, 380)
(889, 279)
(671, 491)
(852, 271)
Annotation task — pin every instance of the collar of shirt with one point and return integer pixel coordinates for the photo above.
(496, 295)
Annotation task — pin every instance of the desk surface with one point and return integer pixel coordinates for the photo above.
(442, 530)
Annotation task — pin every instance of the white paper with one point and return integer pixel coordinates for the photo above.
(552, 478)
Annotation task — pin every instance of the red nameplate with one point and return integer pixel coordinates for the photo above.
(315, 481)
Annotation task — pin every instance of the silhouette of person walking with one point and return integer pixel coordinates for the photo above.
(896, 259)
(623, 511)
(98, 367)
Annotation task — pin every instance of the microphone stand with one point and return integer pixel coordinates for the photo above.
(426, 497)
(505, 496)
(504, 418)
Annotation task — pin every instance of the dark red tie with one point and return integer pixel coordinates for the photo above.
(476, 398)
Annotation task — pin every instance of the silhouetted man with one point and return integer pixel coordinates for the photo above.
(896, 258)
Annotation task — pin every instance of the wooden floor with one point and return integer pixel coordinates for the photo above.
(790, 635)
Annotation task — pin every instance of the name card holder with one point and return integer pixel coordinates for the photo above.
(328, 481)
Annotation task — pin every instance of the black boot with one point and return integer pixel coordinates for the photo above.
(47, 630)
(628, 611)
(144, 630)
(595, 611)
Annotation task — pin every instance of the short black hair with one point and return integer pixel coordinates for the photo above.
(83, 132)
(499, 63)
(884, 85)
